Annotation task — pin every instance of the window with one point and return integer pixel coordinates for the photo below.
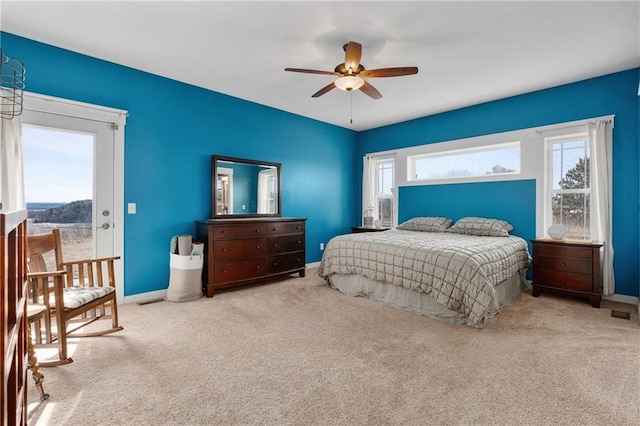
(484, 160)
(569, 188)
(379, 188)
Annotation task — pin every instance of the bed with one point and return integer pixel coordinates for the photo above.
(461, 274)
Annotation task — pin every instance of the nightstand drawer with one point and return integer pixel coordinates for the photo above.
(578, 266)
(566, 281)
(564, 250)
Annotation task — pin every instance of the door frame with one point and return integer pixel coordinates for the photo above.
(117, 117)
(229, 173)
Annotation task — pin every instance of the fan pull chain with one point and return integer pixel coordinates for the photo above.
(351, 102)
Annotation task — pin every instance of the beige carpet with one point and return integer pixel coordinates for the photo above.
(299, 353)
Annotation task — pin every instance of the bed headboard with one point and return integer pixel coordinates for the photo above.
(513, 201)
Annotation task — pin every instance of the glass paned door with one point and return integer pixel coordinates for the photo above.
(69, 181)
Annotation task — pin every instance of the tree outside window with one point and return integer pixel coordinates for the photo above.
(570, 196)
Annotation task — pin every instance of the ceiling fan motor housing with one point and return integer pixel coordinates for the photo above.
(342, 69)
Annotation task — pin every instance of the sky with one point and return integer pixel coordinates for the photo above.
(468, 163)
(58, 165)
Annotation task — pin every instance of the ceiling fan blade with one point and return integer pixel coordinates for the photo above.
(389, 72)
(352, 55)
(306, 71)
(324, 90)
(370, 91)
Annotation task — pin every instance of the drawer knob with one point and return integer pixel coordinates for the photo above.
(257, 247)
(224, 271)
(563, 264)
(224, 249)
(223, 231)
(275, 263)
(275, 244)
(298, 227)
(563, 251)
(257, 229)
(257, 266)
(563, 281)
(273, 229)
(299, 242)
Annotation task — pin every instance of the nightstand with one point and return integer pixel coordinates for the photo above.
(567, 266)
(357, 229)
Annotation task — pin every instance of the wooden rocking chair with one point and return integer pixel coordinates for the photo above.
(85, 289)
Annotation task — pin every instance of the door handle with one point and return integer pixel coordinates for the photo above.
(105, 226)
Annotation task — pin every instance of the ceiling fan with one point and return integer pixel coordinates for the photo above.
(351, 74)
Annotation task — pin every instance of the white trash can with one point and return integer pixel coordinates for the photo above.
(185, 277)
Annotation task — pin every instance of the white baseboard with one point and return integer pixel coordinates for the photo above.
(146, 297)
(162, 294)
(631, 300)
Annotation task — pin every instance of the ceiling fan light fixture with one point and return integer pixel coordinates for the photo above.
(349, 83)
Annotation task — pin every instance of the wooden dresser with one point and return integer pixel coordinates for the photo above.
(251, 250)
(569, 267)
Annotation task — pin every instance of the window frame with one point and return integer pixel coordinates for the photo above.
(411, 166)
(568, 136)
(532, 148)
(370, 195)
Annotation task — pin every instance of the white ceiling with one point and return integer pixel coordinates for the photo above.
(467, 52)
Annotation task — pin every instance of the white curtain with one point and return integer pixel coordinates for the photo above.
(11, 167)
(368, 180)
(600, 141)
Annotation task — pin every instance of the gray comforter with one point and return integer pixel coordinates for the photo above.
(459, 271)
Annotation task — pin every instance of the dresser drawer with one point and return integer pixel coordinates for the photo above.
(276, 228)
(239, 231)
(285, 244)
(285, 262)
(565, 281)
(564, 250)
(575, 265)
(238, 270)
(235, 249)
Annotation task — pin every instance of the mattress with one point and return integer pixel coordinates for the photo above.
(460, 273)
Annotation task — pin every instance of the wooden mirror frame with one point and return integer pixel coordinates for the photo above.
(214, 173)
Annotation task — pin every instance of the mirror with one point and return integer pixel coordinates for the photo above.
(244, 188)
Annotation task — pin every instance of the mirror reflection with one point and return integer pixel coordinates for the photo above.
(245, 187)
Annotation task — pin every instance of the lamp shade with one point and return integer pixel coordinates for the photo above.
(349, 83)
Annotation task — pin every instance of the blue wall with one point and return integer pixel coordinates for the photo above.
(610, 94)
(482, 199)
(245, 187)
(173, 125)
(177, 127)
